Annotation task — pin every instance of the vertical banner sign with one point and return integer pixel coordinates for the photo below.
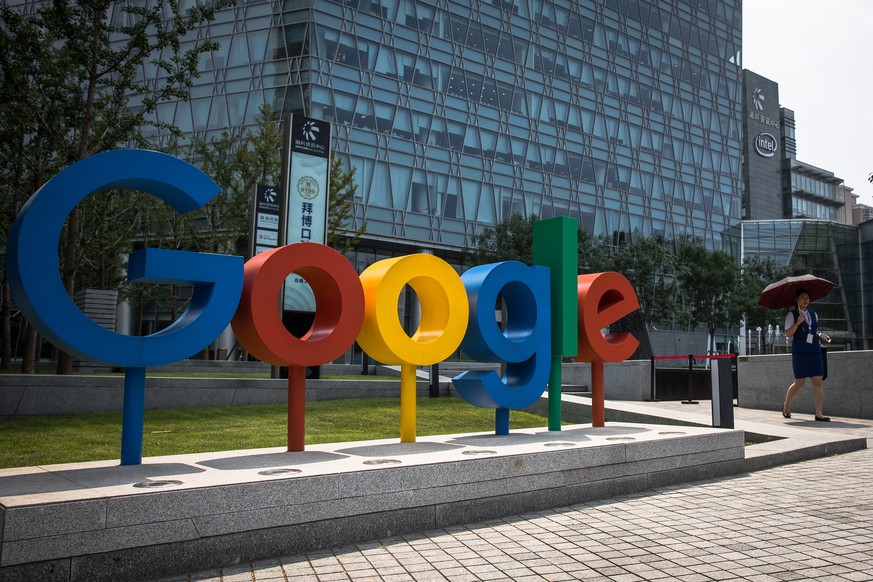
(308, 176)
(266, 209)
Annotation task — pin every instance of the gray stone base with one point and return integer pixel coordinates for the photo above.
(90, 521)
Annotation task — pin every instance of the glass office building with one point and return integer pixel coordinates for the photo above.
(795, 213)
(625, 114)
(822, 248)
(775, 183)
(457, 114)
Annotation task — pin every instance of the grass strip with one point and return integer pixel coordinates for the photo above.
(44, 440)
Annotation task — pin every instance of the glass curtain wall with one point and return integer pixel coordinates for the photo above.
(623, 114)
(824, 249)
(456, 114)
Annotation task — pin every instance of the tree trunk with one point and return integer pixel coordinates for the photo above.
(71, 245)
(6, 328)
(711, 347)
(71, 248)
(28, 356)
(137, 319)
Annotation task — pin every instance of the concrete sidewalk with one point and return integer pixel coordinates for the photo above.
(779, 520)
(765, 422)
(792, 434)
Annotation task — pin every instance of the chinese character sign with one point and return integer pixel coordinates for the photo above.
(308, 187)
(265, 218)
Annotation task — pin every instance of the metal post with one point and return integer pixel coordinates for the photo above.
(407, 403)
(132, 416)
(735, 377)
(722, 393)
(434, 381)
(652, 397)
(690, 387)
(296, 408)
(598, 406)
(554, 391)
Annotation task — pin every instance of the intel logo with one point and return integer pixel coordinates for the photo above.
(766, 145)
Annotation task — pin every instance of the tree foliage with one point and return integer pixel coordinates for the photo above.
(691, 285)
(650, 266)
(27, 78)
(708, 280)
(236, 164)
(80, 77)
(648, 263)
(594, 253)
(223, 220)
(342, 207)
(511, 240)
(757, 273)
(261, 162)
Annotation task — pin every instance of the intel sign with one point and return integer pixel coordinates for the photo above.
(766, 145)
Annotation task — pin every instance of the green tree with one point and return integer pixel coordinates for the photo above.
(261, 162)
(342, 207)
(510, 240)
(594, 253)
(224, 220)
(105, 236)
(237, 164)
(757, 273)
(81, 89)
(708, 280)
(650, 266)
(28, 77)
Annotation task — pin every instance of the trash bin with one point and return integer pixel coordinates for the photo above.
(722, 393)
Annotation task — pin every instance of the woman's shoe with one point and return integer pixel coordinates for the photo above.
(786, 414)
(823, 418)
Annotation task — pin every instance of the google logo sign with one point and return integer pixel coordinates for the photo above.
(551, 311)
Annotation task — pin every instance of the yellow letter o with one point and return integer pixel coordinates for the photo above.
(444, 310)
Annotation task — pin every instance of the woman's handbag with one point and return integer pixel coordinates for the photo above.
(824, 362)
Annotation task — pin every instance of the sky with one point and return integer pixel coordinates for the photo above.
(819, 51)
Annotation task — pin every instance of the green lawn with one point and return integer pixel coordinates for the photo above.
(43, 440)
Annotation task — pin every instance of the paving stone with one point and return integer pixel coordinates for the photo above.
(365, 574)
(763, 525)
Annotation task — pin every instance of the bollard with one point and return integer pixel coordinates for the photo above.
(652, 397)
(722, 392)
(690, 379)
(434, 391)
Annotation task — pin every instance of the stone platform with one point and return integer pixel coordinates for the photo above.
(101, 521)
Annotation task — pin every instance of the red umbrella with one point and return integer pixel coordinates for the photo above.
(783, 293)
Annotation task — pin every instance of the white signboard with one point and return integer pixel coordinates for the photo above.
(308, 175)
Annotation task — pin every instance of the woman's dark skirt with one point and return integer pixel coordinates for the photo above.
(807, 364)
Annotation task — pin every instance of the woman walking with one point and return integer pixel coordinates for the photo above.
(801, 325)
